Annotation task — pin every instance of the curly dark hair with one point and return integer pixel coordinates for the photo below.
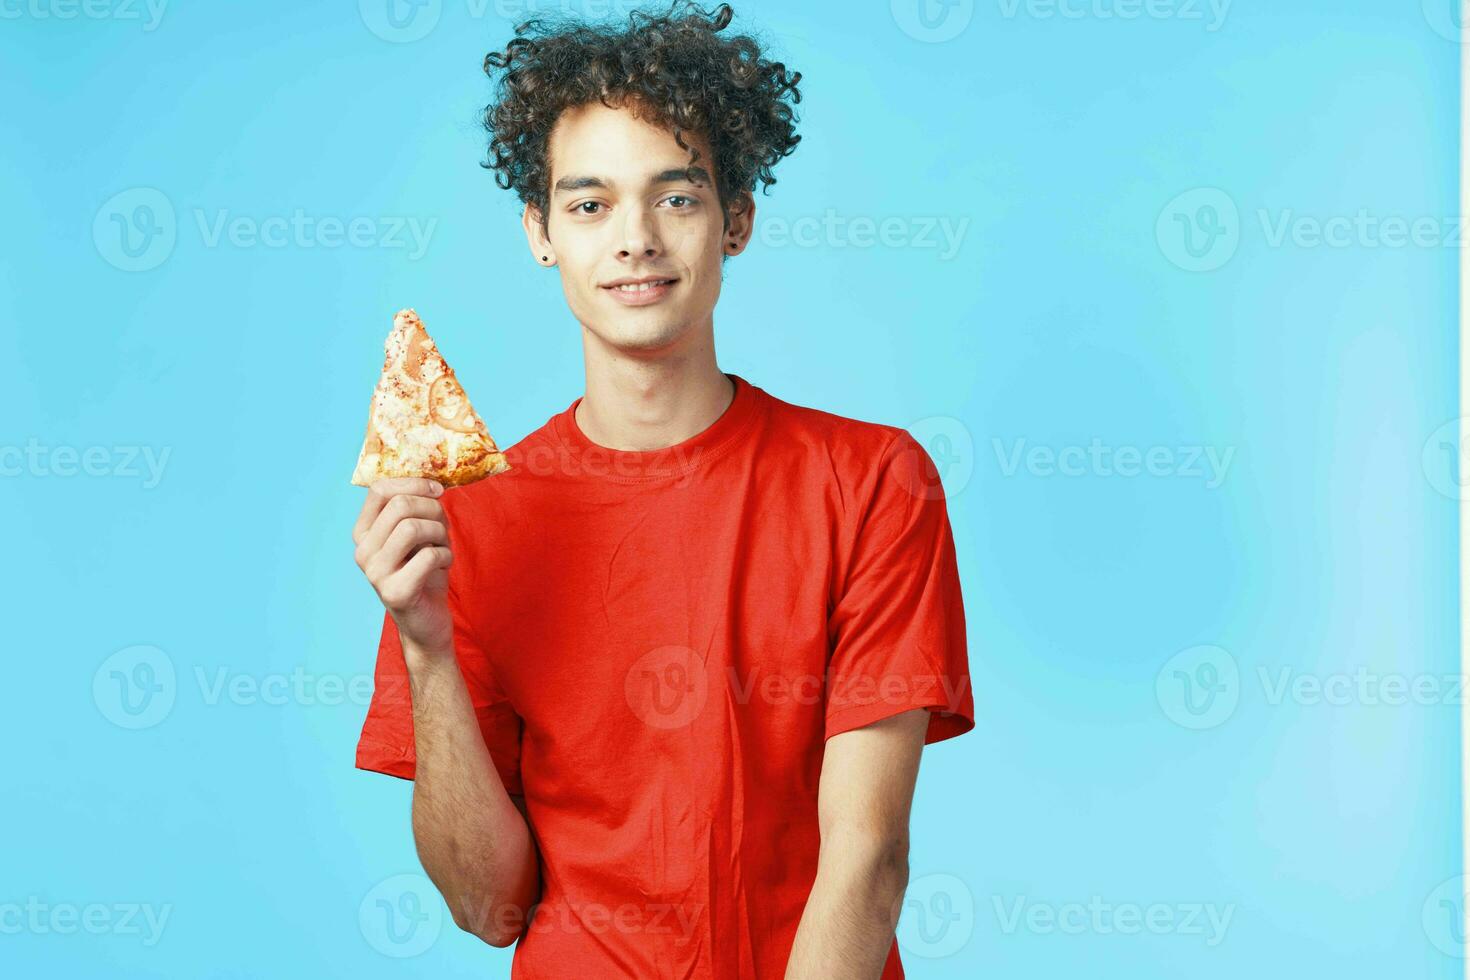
(673, 69)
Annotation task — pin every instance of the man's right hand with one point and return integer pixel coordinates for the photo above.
(402, 540)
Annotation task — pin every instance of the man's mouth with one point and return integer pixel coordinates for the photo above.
(640, 292)
(641, 287)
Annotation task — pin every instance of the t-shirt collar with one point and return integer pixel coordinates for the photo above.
(619, 465)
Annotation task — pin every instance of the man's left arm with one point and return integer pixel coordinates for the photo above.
(863, 802)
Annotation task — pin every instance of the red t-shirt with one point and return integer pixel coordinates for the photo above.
(658, 644)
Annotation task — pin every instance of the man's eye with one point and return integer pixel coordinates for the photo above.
(680, 197)
(581, 208)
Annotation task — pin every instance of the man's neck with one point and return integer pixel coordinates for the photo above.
(640, 405)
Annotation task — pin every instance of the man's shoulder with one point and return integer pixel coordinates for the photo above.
(844, 438)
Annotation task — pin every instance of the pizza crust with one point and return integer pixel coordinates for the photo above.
(421, 423)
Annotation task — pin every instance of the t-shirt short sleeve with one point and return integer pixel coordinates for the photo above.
(386, 742)
(897, 626)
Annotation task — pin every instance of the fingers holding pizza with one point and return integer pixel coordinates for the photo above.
(402, 541)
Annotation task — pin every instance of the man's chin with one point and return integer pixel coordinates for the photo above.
(641, 335)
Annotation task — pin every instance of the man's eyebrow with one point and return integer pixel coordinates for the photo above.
(674, 175)
(682, 175)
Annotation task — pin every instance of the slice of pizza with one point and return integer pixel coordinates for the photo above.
(421, 423)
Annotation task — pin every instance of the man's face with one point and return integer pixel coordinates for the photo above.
(624, 205)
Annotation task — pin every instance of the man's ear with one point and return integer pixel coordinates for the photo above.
(536, 236)
(741, 227)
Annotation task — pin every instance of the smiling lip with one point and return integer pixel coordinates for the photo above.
(640, 292)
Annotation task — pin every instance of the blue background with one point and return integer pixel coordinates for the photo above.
(1083, 302)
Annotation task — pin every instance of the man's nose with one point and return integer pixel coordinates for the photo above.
(640, 235)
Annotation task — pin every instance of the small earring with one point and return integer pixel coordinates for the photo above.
(543, 258)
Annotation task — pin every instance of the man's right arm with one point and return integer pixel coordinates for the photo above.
(473, 839)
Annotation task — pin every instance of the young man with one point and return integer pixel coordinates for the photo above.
(664, 684)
